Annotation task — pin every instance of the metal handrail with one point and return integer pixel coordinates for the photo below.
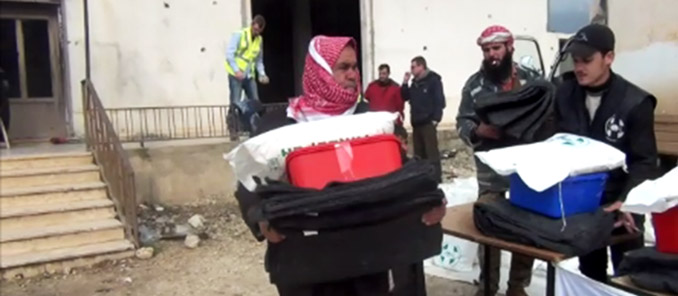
(162, 123)
(116, 170)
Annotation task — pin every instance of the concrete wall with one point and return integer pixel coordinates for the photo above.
(151, 52)
(182, 172)
(647, 47)
(193, 171)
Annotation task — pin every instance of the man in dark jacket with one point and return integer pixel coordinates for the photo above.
(328, 92)
(498, 74)
(602, 105)
(427, 101)
(383, 94)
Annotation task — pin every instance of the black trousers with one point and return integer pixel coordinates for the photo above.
(425, 142)
(409, 280)
(594, 264)
(369, 285)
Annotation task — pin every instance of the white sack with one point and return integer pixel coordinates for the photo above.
(458, 254)
(570, 281)
(263, 156)
(653, 196)
(545, 164)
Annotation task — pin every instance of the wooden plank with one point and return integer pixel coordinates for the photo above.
(666, 118)
(666, 127)
(666, 136)
(20, 49)
(667, 148)
(625, 283)
(459, 222)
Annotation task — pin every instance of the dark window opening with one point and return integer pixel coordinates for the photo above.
(9, 56)
(290, 25)
(38, 66)
(25, 57)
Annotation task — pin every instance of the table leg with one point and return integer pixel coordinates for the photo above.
(550, 279)
(486, 270)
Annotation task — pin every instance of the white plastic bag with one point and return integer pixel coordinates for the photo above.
(653, 196)
(263, 156)
(545, 164)
(458, 254)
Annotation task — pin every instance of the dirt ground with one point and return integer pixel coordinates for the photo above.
(228, 262)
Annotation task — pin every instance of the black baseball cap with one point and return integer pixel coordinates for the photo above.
(591, 39)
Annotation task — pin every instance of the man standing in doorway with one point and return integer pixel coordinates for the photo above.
(498, 73)
(383, 94)
(427, 101)
(244, 63)
(597, 103)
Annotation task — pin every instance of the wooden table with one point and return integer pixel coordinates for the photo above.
(626, 284)
(459, 222)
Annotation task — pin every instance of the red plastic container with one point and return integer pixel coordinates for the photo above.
(666, 231)
(315, 167)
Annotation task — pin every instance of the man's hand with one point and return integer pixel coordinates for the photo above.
(488, 132)
(613, 207)
(626, 220)
(263, 79)
(435, 215)
(269, 233)
(407, 77)
(239, 75)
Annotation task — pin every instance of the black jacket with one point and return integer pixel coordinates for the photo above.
(468, 120)
(625, 120)
(426, 97)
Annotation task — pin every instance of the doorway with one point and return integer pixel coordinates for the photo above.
(30, 58)
(290, 25)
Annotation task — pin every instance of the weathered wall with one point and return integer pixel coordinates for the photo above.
(170, 52)
(151, 52)
(647, 47)
(183, 172)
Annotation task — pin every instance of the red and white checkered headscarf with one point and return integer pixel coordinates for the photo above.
(495, 34)
(323, 97)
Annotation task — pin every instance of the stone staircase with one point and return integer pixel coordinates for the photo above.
(55, 214)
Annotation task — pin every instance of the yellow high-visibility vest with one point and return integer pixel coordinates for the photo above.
(247, 52)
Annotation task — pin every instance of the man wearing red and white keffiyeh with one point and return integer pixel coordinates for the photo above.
(331, 84)
(498, 74)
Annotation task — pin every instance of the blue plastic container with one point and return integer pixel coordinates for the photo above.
(580, 194)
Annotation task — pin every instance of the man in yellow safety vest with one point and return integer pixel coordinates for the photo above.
(245, 62)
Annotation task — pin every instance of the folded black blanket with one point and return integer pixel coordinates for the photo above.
(582, 234)
(651, 270)
(518, 113)
(359, 215)
(414, 179)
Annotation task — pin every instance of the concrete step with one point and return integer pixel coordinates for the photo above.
(60, 236)
(54, 160)
(48, 256)
(29, 178)
(18, 218)
(52, 194)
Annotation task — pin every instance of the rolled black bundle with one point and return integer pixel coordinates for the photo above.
(519, 113)
(342, 205)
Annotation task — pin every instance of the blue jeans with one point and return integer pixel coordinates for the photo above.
(236, 87)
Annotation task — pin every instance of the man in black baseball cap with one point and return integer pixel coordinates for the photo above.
(604, 106)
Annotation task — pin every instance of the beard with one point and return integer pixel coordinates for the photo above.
(499, 72)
